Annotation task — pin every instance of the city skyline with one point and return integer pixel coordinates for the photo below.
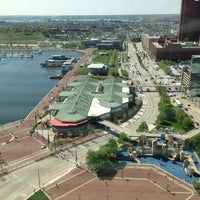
(89, 7)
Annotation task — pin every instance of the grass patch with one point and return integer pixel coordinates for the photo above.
(82, 71)
(39, 195)
(108, 57)
(113, 72)
(164, 66)
(20, 37)
(124, 73)
(124, 57)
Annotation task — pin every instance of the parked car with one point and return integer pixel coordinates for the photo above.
(43, 146)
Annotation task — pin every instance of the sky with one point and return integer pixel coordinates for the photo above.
(88, 7)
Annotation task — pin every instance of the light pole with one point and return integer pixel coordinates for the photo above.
(167, 187)
(148, 175)
(39, 183)
(76, 158)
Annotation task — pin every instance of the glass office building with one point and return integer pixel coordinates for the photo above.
(194, 86)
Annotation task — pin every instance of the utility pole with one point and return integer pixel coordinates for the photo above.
(76, 158)
(39, 183)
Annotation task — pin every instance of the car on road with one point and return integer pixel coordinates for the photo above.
(43, 146)
(191, 116)
(197, 123)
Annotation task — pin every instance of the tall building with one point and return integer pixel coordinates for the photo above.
(190, 79)
(188, 43)
(189, 28)
(194, 88)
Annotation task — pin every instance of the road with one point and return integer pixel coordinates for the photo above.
(148, 112)
(23, 182)
(138, 75)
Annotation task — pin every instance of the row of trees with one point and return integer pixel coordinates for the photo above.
(170, 116)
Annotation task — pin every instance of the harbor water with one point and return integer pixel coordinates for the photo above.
(24, 83)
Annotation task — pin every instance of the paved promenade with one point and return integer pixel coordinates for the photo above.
(131, 182)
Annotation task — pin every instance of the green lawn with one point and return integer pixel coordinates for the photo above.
(108, 57)
(20, 37)
(39, 195)
(82, 71)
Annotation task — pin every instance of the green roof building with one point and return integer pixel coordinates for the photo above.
(89, 100)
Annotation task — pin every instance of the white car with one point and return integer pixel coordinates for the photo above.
(43, 146)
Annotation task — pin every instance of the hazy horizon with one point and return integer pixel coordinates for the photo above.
(88, 7)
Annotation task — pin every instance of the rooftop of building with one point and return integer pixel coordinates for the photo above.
(96, 66)
(90, 97)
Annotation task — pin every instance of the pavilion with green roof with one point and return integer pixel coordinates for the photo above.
(89, 100)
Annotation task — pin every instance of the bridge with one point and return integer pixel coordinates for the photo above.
(133, 134)
(130, 133)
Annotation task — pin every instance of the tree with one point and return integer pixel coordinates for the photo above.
(122, 138)
(195, 142)
(187, 124)
(180, 115)
(103, 160)
(142, 127)
(111, 148)
(197, 186)
(98, 161)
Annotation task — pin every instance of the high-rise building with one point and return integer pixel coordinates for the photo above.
(190, 79)
(189, 28)
(194, 88)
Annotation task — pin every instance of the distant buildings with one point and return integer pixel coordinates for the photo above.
(188, 37)
(170, 49)
(110, 43)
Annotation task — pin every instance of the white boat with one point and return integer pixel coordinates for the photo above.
(67, 66)
(55, 61)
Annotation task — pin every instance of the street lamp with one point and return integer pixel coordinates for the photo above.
(148, 175)
(39, 182)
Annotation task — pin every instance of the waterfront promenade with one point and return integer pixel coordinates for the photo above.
(17, 147)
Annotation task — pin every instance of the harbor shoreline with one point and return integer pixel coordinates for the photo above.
(53, 91)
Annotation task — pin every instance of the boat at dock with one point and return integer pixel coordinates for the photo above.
(67, 66)
(57, 76)
(55, 61)
(50, 63)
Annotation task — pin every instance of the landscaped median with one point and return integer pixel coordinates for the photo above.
(39, 195)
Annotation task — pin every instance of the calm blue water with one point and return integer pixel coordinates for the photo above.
(23, 83)
(168, 166)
